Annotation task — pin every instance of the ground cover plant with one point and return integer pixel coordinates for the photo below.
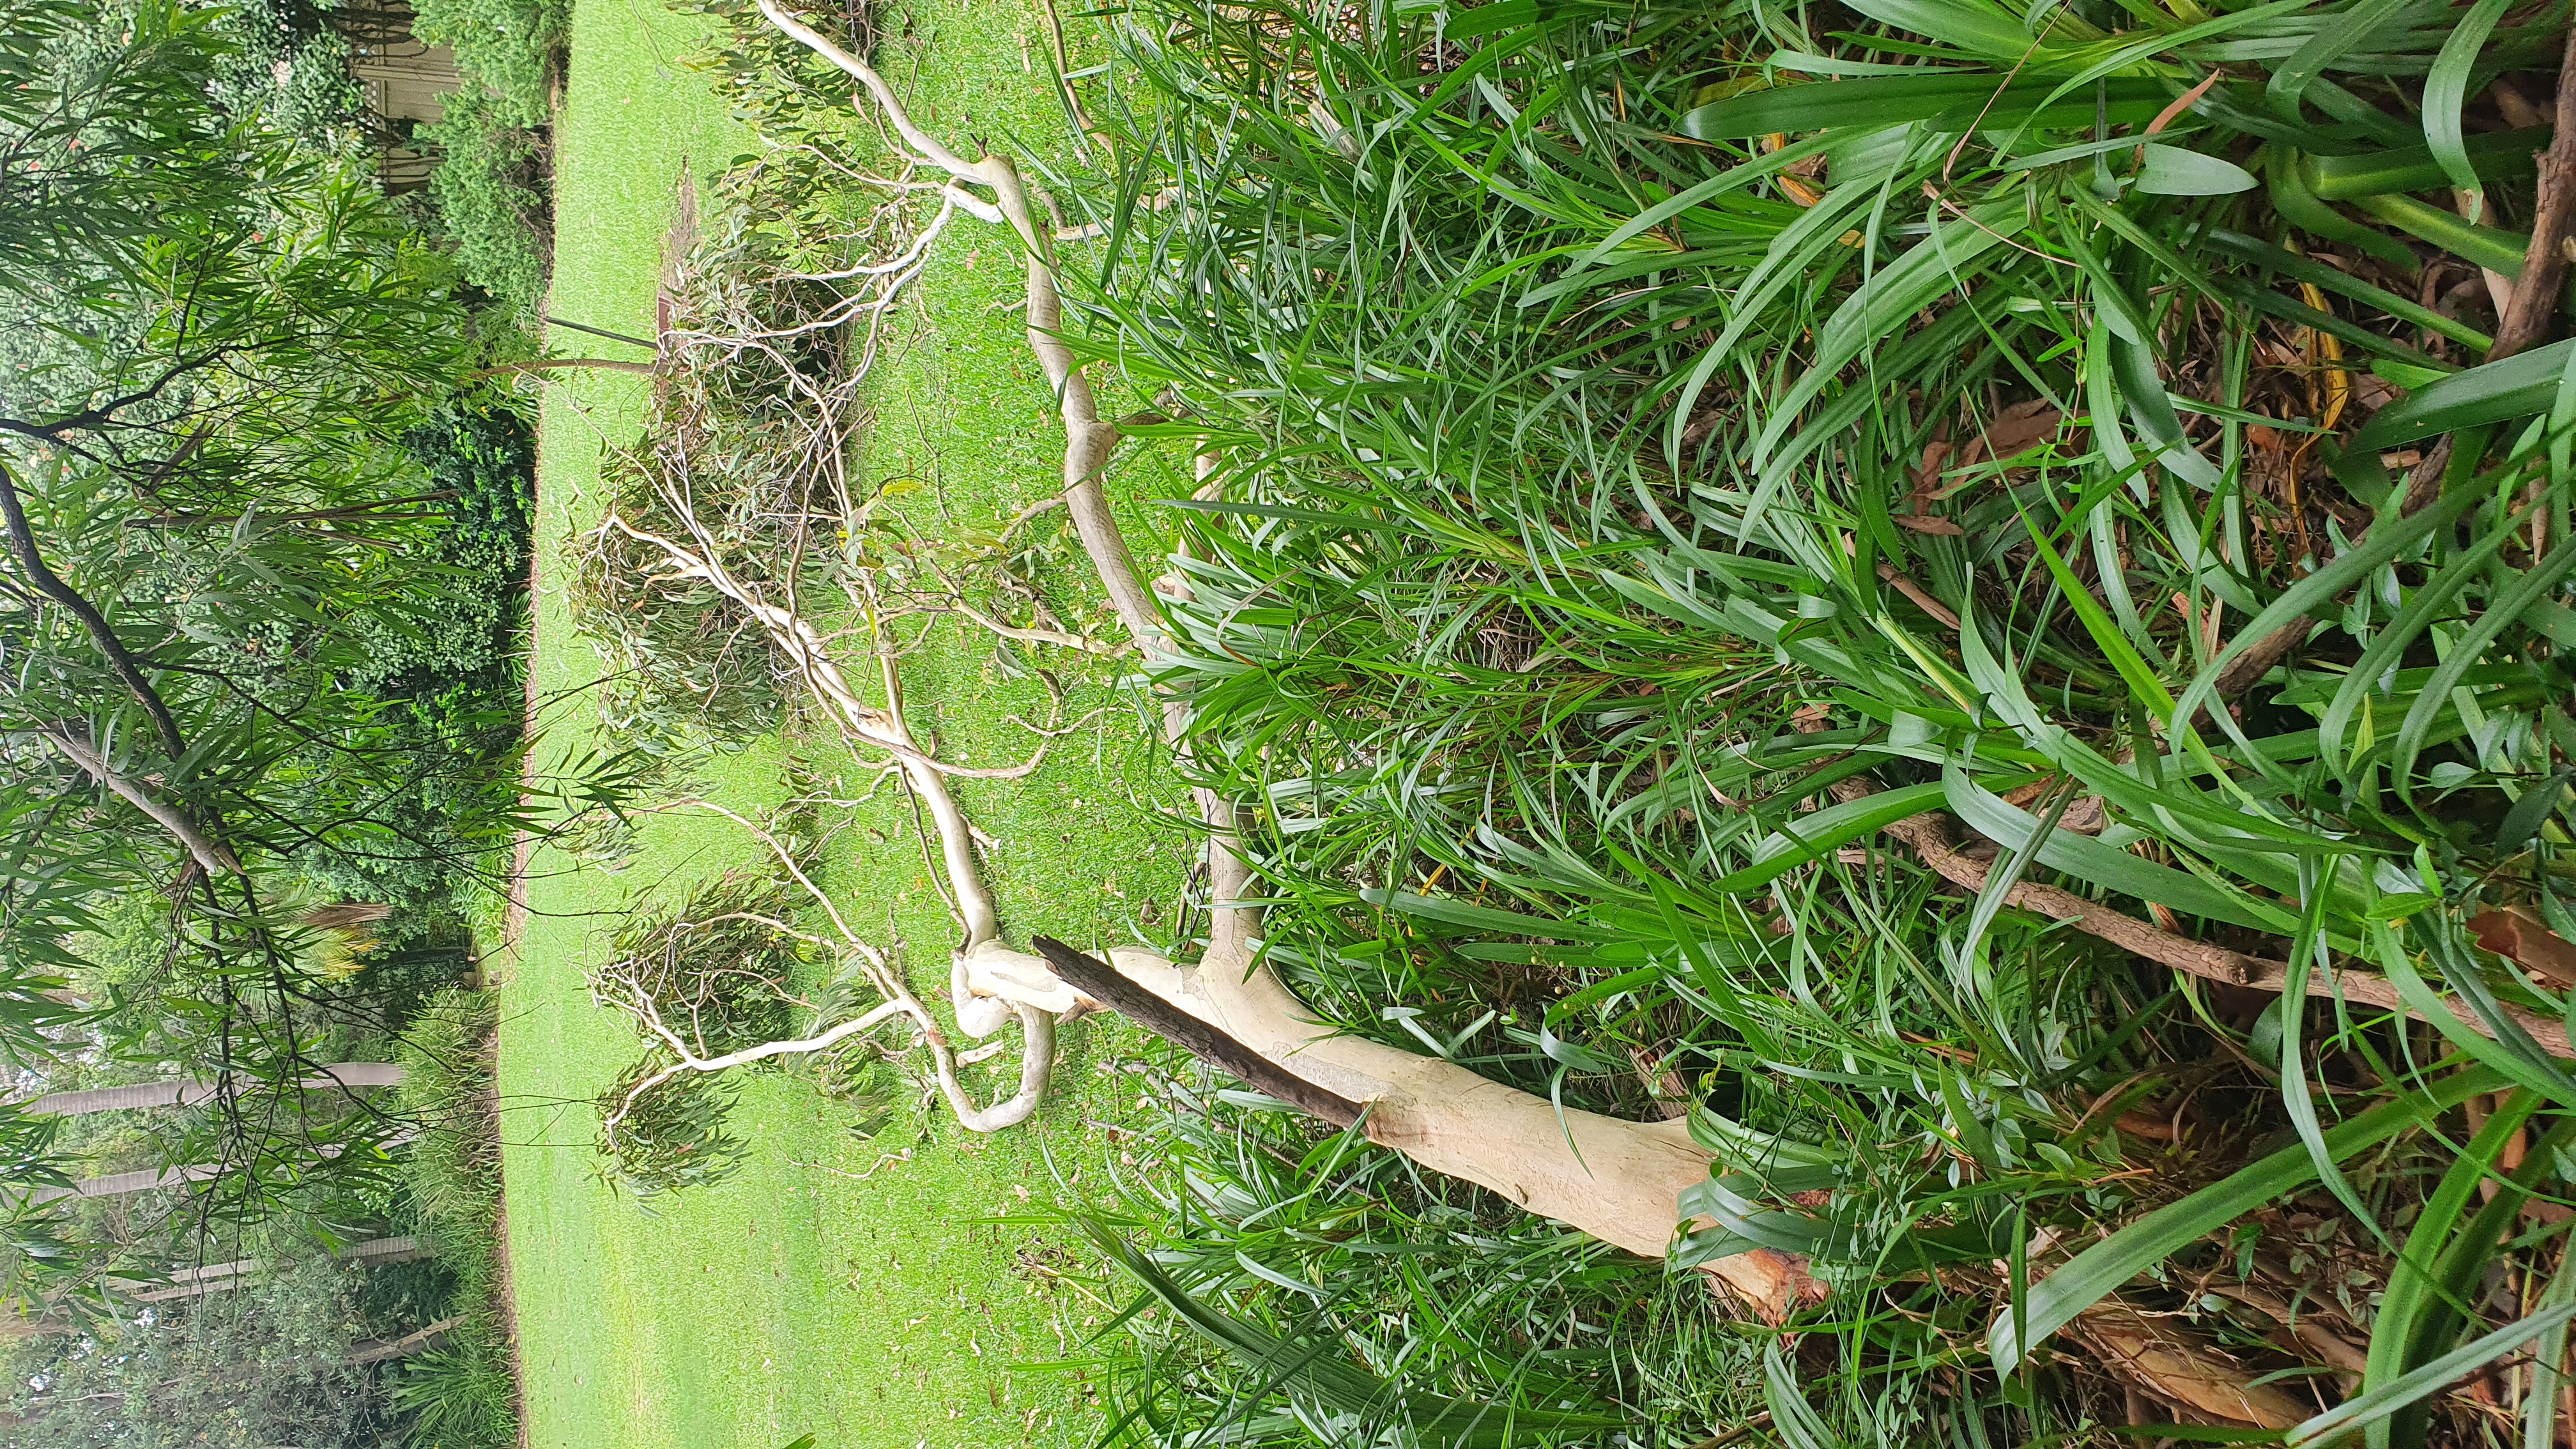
(1626, 589)
(1653, 505)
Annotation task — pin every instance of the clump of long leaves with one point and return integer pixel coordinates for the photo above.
(1669, 446)
(1314, 1287)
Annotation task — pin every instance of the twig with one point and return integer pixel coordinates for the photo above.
(691, 1062)
(2535, 292)
(1745, 1430)
(957, 604)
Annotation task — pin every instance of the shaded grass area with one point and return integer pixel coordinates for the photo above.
(842, 1284)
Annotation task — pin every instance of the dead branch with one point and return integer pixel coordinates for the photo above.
(1928, 836)
(1100, 980)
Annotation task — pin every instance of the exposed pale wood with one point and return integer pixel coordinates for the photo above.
(189, 1091)
(404, 1347)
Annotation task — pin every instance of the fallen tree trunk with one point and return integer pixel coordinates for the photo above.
(1616, 1180)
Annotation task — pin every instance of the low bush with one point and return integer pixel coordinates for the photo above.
(490, 194)
(453, 1170)
(508, 46)
(460, 1395)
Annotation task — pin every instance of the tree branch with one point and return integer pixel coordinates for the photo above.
(1928, 836)
(209, 854)
(1088, 440)
(1103, 983)
(96, 419)
(22, 542)
(546, 364)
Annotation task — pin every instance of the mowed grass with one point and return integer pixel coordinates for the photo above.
(853, 1288)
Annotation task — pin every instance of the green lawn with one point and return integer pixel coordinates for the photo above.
(797, 1298)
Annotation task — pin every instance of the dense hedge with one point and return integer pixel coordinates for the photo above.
(490, 193)
(490, 185)
(445, 671)
(507, 45)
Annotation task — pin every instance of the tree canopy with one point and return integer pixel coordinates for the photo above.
(227, 581)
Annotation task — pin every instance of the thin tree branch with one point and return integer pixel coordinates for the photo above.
(22, 542)
(690, 1061)
(96, 419)
(1104, 983)
(209, 854)
(1928, 836)
(1088, 440)
(602, 332)
(547, 364)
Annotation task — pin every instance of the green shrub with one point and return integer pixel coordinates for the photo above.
(452, 1171)
(459, 1396)
(445, 667)
(507, 45)
(265, 1365)
(489, 190)
(285, 66)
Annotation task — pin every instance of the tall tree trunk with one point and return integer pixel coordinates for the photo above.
(121, 1184)
(189, 1091)
(225, 1277)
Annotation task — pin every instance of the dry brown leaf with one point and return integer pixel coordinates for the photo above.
(2181, 1368)
(1921, 524)
(1927, 473)
(2014, 431)
(2515, 935)
(2145, 1124)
